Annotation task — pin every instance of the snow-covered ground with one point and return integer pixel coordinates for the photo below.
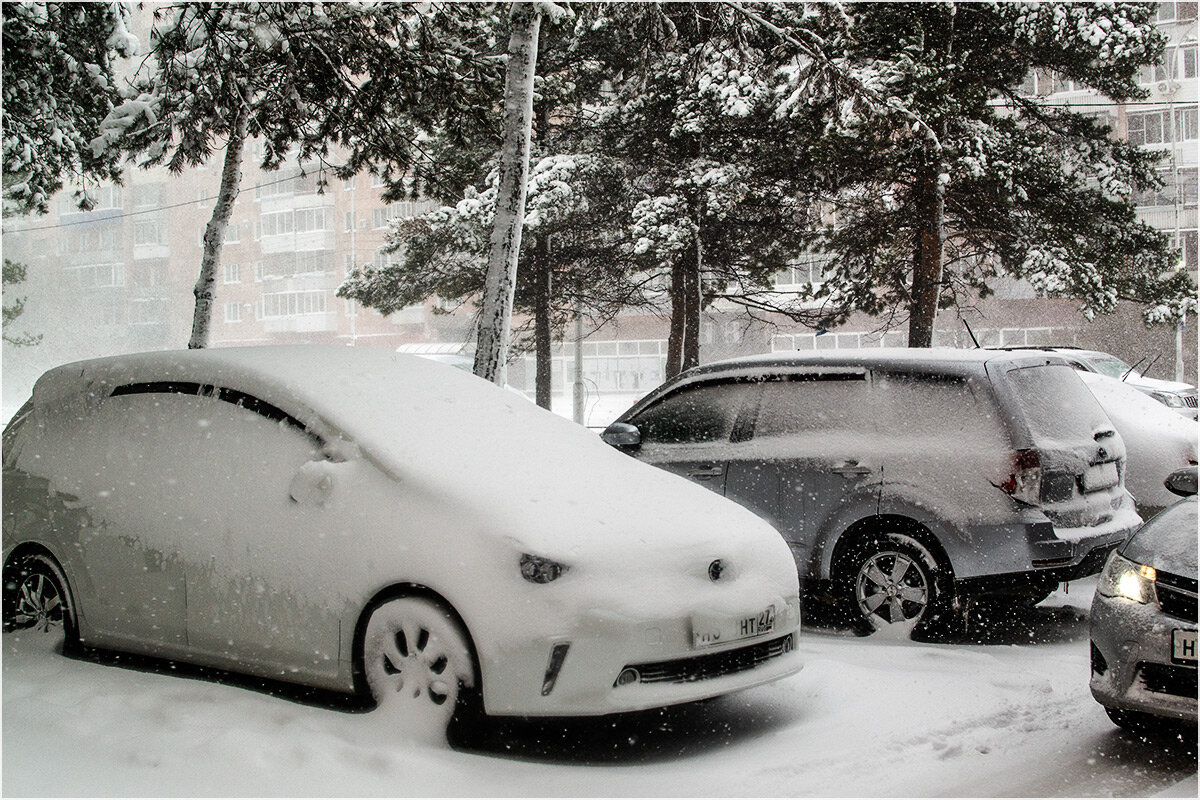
(1008, 714)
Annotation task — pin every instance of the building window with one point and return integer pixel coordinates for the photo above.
(1147, 128)
(148, 195)
(233, 273)
(348, 184)
(1188, 57)
(1185, 124)
(311, 219)
(258, 271)
(302, 262)
(294, 304)
(348, 221)
(233, 312)
(94, 276)
(1188, 246)
(278, 223)
(809, 270)
(149, 231)
(1176, 12)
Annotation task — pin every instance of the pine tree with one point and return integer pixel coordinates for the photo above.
(58, 87)
(1007, 184)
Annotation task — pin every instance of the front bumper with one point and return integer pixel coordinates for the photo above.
(1132, 667)
(609, 664)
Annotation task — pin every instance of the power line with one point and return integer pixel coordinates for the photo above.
(154, 210)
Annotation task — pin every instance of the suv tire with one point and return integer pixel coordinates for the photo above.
(889, 579)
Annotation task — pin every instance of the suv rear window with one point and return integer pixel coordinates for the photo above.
(1056, 404)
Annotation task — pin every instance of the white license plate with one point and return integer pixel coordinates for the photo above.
(1100, 476)
(1183, 646)
(712, 631)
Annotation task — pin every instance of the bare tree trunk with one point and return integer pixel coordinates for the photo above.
(927, 260)
(691, 328)
(675, 337)
(541, 321)
(214, 234)
(491, 351)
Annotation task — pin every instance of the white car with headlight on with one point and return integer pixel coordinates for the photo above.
(370, 522)
(1143, 623)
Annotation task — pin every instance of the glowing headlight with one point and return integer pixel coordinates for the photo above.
(536, 569)
(1167, 398)
(1123, 578)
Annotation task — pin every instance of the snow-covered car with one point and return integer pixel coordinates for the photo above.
(1179, 397)
(371, 522)
(1143, 621)
(1157, 440)
(902, 479)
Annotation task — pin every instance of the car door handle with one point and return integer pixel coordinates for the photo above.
(706, 472)
(852, 469)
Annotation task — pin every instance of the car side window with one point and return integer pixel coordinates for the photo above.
(920, 404)
(695, 414)
(794, 405)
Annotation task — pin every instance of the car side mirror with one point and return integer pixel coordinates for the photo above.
(313, 483)
(1182, 482)
(622, 434)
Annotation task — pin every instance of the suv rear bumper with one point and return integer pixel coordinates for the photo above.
(1053, 556)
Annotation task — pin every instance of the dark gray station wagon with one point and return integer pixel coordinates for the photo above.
(903, 480)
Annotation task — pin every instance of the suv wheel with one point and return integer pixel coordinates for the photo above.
(890, 579)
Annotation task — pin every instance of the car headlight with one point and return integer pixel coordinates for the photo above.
(536, 569)
(1167, 398)
(1124, 578)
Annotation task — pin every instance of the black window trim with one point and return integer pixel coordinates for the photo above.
(225, 395)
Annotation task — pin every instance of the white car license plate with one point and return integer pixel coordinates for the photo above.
(1183, 646)
(1100, 476)
(712, 631)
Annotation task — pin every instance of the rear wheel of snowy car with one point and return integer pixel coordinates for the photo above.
(36, 599)
(889, 580)
(418, 664)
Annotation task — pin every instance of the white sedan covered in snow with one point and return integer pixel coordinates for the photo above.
(372, 522)
(1157, 440)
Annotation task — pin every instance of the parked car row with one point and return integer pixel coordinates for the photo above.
(377, 523)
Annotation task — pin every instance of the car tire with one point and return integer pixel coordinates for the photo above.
(36, 599)
(890, 581)
(418, 665)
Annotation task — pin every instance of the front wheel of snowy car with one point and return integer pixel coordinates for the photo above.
(418, 664)
(36, 599)
(890, 580)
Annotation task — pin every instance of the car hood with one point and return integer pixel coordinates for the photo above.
(1159, 385)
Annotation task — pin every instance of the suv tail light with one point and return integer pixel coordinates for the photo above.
(1025, 481)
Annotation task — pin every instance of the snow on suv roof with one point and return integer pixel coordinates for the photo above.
(877, 356)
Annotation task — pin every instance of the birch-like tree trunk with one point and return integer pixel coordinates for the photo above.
(214, 234)
(491, 350)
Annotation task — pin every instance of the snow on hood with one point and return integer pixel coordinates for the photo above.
(490, 454)
(1168, 542)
